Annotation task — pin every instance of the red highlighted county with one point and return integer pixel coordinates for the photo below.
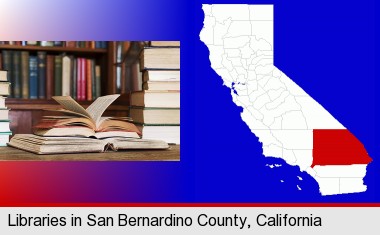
(337, 147)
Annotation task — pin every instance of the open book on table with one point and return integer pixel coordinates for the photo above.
(77, 121)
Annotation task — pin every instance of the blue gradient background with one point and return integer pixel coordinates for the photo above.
(327, 47)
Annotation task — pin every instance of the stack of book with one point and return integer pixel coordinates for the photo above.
(156, 109)
(5, 132)
(41, 76)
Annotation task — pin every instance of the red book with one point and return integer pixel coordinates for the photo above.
(84, 78)
(49, 76)
(79, 97)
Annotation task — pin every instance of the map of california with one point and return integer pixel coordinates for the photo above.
(289, 123)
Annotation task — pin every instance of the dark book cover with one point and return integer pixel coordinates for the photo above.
(93, 78)
(25, 74)
(58, 43)
(16, 85)
(58, 75)
(41, 60)
(79, 80)
(73, 77)
(33, 77)
(7, 65)
(49, 76)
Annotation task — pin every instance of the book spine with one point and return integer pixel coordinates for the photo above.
(58, 75)
(98, 81)
(49, 76)
(7, 65)
(98, 44)
(66, 75)
(25, 74)
(84, 78)
(79, 80)
(58, 43)
(70, 44)
(16, 74)
(32, 43)
(46, 43)
(41, 56)
(93, 79)
(33, 77)
(89, 79)
(1, 61)
(74, 78)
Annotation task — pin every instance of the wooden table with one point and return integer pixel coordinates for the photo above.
(172, 154)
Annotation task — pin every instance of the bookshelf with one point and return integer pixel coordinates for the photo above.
(27, 112)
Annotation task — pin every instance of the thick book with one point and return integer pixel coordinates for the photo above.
(163, 58)
(49, 76)
(164, 43)
(157, 99)
(66, 78)
(4, 114)
(41, 60)
(16, 73)
(169, 134)
(77, 121)
(58, 75)
(4, 126)
(33, 77)
(2, 102)
(25, 74)
(5, 89)
(4, 138)
(57, 145)
(155, 116)
(161, 75)
(161, 86)
(7, 63)
(3, 76)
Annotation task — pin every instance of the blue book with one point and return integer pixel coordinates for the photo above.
(41, 60)
(98, 44)
(33, 77)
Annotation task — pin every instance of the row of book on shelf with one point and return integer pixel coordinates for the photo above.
(77, 44)
(41, 75)
(5, 132)
(156, 109)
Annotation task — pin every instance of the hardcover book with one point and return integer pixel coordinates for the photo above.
(25, 74)
(164, 43)
(157, 99)
(3, 76)
(16, 73)
(155, 116)
(33, 77)
(41, 60)
(163, 58)
(161, 75)
(5, 89)
(53, 145)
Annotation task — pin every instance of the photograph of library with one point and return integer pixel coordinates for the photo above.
(90, 100)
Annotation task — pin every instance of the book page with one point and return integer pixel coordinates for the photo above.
(97, 108)
(70, 104)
